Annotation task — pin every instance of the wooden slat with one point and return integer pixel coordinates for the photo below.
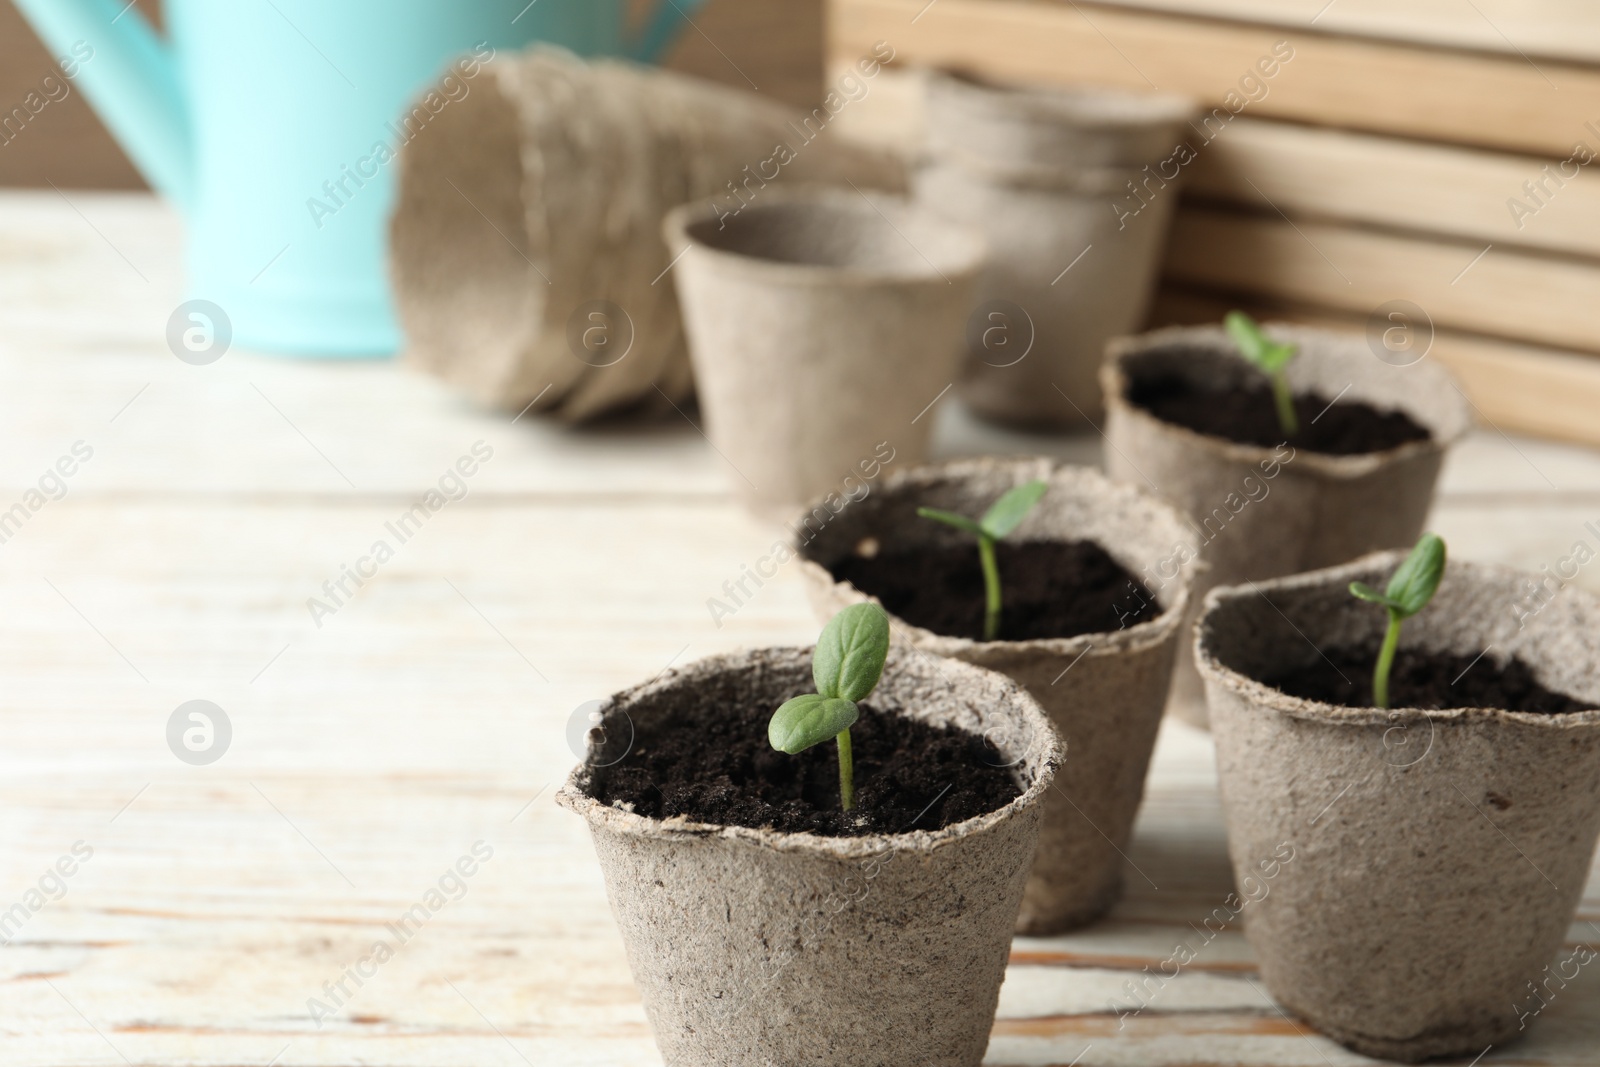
(1532, 297)
(1555, 29)
(1517, 388)
(1466, 98)
(1454, 192)
(1334, 174)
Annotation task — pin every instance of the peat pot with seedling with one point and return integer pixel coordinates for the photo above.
(1436, 766)
(1069, 583)
(1289, 448)
(788, 901)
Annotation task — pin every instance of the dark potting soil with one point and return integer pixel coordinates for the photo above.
(716, 766)
(1247, 415)
(1425, 679)
(1048, 588)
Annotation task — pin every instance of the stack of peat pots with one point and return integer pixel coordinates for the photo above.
(1074, 189)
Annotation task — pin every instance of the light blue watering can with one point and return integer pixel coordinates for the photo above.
(272, 125)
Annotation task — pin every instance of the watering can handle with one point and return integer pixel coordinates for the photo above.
(663, 28)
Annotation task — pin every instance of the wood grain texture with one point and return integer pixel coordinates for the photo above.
(1459, 193)
(1557, 29)
(1335, 175)
(429, 712)
(1491, 100)
(1531, 297)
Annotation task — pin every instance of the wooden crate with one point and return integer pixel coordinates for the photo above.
(1427, 152)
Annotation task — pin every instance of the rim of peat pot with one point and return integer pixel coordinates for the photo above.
(1085, 107)
(1405, 928)
(1432, 398)
(1042, 762)
(1378, 565)
(942, 248)
(1137, 637)
(1033, 132)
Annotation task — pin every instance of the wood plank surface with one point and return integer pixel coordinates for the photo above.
(1499, 101)
(429, 712)
(1459, 193)
(1333, 175)
(1495, 290)
(1557, 29)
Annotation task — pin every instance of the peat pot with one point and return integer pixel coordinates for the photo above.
(1437, 856)
(1262, 512)
(1104, 691)
(821, 324)
(753, 947)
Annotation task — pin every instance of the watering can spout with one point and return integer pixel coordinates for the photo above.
(127, 72)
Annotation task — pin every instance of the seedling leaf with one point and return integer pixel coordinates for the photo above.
(850, 653)
(809, 720)
(1363, 591)
(1417, 579)
(951, 518)
(1007, 513)
(1271, 356)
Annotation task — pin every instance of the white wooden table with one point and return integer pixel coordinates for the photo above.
(429, 713)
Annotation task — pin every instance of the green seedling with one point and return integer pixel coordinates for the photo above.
(1001, 518)
(1412, 586)
(1272, 357)
(846, 666)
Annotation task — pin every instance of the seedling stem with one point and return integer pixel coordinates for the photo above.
(847, 771)
(1003, 516)
(1410, 588)
(1272, 358)
(991, 588)
(1380, 673)
(846, 666)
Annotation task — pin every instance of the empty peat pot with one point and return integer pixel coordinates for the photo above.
(1104, 687)
(1266, 510)
(820, 324)
(1438, 856)
(751, 946)
(1052, 176)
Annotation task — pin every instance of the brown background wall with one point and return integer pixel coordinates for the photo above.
(776, 44)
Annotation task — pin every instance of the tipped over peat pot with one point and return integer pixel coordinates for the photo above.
(752, 946)
(1095, 583)
(1191, 419)
(820, 323)
(1439, 855)
(1048, 174)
